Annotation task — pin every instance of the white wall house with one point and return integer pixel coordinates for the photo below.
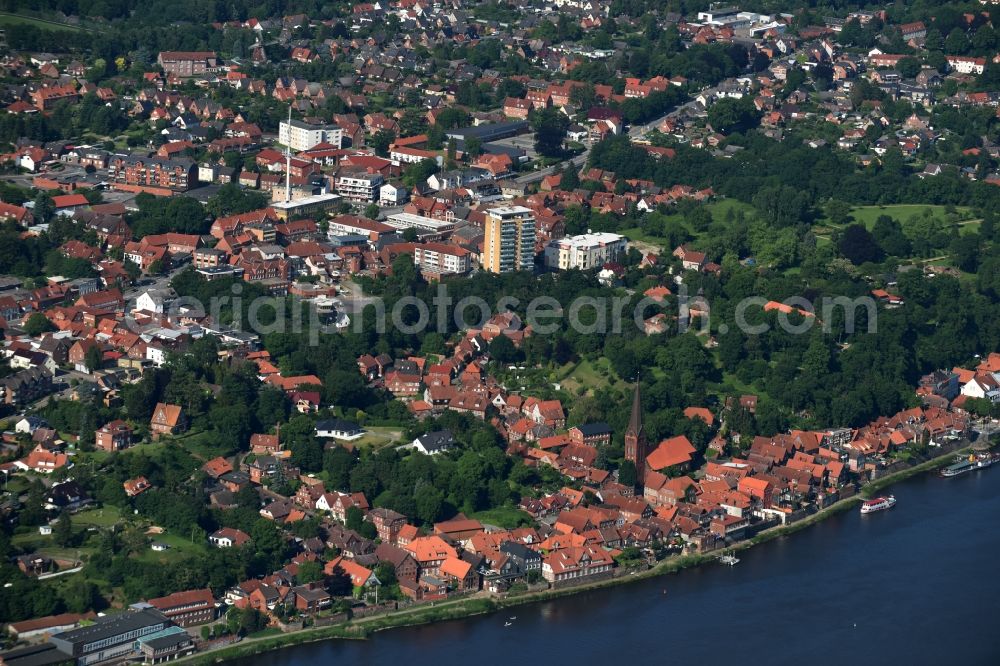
(339, 429)
(984, 386)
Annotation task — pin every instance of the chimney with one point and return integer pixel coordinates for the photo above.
(288, 158)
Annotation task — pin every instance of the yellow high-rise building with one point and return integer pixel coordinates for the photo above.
(509, 244)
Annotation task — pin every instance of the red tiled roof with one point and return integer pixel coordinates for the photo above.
(674, 451)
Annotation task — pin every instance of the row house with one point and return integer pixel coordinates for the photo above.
(574, 563)
(403, 385)
(338, 504)
(47, 98)
(176, 175)
(257, 269)
(186, 63)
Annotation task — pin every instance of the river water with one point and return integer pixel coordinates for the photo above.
(917, 584)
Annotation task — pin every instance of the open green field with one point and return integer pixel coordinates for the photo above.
(590, 375)
(719, 209)
(105, 516)
(636, 235)
(902, 213)
(13, 21)
(34, 542)
(506, 517)
(378, 436)
(180, 546)
(201, 444)
(101, 518)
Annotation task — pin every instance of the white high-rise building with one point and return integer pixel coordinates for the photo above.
(299, 135)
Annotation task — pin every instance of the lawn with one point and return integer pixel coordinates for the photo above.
(16, 485)
(152, 450)
(103, 517)
(378, 436)
(506, 516)
(35, 542)
(12, 21)
(719, 209)
(902, 212)
(199, 443)
(731, 385)
(969, 227)
(637, 235)
(590, 375)
(180, 546)
(82, 522)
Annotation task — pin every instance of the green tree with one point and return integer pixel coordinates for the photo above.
(94, 358)
(386, 573)
(502, 349)
(62, 531)
(550, 127)
(627, 474)
(44, 208)
(933, 41)
(570, 179)
(888, 233)
(338, 583)
(307, 453)
(37, 324)
(231, 199)
(337, 463)
(354, 518)
(368, 530)
(730, 115)
(473, 148)
(381, 141)
(909, 67)
(956, 43)
(418, 173)
(309, 572)
(81, 595)
(838, 211)
(965, 249)
(858, 245)
(251, 621)
(429, 501)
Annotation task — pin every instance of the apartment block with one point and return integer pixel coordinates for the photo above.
(586, 251)
(509, 243)
(299, 135)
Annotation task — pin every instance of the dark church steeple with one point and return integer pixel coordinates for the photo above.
(635, 438)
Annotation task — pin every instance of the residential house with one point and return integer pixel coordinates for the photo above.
(166, 420)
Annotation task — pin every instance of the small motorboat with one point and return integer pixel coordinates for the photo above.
(507, 624)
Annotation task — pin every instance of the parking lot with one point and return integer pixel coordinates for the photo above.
(525, 142)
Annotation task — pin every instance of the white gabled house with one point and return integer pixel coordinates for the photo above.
(433, 442)
(985, 385)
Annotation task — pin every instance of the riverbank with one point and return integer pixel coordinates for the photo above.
(468, 607)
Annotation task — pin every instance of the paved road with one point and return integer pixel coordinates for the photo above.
(637, 131)
(536, 176)
(634, 132)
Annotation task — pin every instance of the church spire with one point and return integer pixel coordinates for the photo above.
(635, 438)
(635, 421)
